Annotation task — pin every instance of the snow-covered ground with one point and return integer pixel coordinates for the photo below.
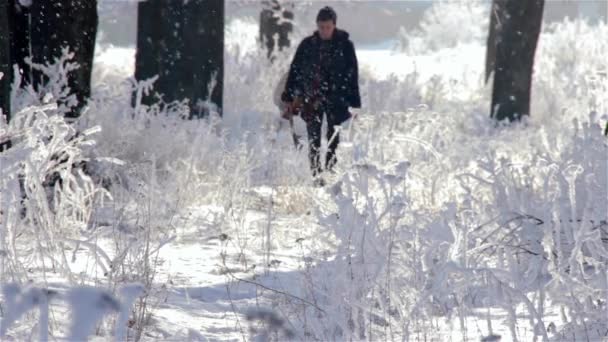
(437, 225)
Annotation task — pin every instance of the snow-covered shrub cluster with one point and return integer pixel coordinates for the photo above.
(447, 24)
(571, 71)
(508, 230)
(55, 225)
(488, 221)
(48, 196)
(54, 89)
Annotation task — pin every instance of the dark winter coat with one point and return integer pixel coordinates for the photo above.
(332, 62)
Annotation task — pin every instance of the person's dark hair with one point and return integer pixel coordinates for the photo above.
(327, 13)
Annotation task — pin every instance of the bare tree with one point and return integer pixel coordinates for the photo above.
(514, 30)
(182, 43)
(276, 23)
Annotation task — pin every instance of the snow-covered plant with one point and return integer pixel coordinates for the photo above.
(446, 24)
(538, 225)
(48, 198)
(55, 199)
(571, 71)
(87, 306)
(392, 94)
(352, 292)
(18, 301)
(52, 88)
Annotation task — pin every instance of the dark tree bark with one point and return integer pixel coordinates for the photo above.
(276, 23)
(19, 25)
(497, 20)
(182, 43)
(59, 24)
(516, 41)
(205, 28)
(158, 28)
(5, 63)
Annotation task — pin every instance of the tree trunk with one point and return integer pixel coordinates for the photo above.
(515, 48)
(182, 43)
(59, 24)
(497, 20)
(276, 23)
(19, 25)
(5, 63)
(205, 31)
(158, 30)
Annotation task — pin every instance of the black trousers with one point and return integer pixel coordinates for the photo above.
(335, 116)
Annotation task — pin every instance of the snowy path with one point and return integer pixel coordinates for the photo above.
(214, 280)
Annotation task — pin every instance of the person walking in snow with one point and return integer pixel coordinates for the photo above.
(323, 80)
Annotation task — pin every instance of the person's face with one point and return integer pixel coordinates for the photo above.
(326, 29)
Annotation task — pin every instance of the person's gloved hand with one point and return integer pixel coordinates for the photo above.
(286, 110)
(291, 109)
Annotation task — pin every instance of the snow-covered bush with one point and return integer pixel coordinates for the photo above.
(54, 221)
(508, 231)
(53, 89)
(496, 221)
(448, 24)
(571, 71)
(49, 199)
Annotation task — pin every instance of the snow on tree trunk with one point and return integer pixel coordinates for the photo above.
(516, 40)
(182, 43)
